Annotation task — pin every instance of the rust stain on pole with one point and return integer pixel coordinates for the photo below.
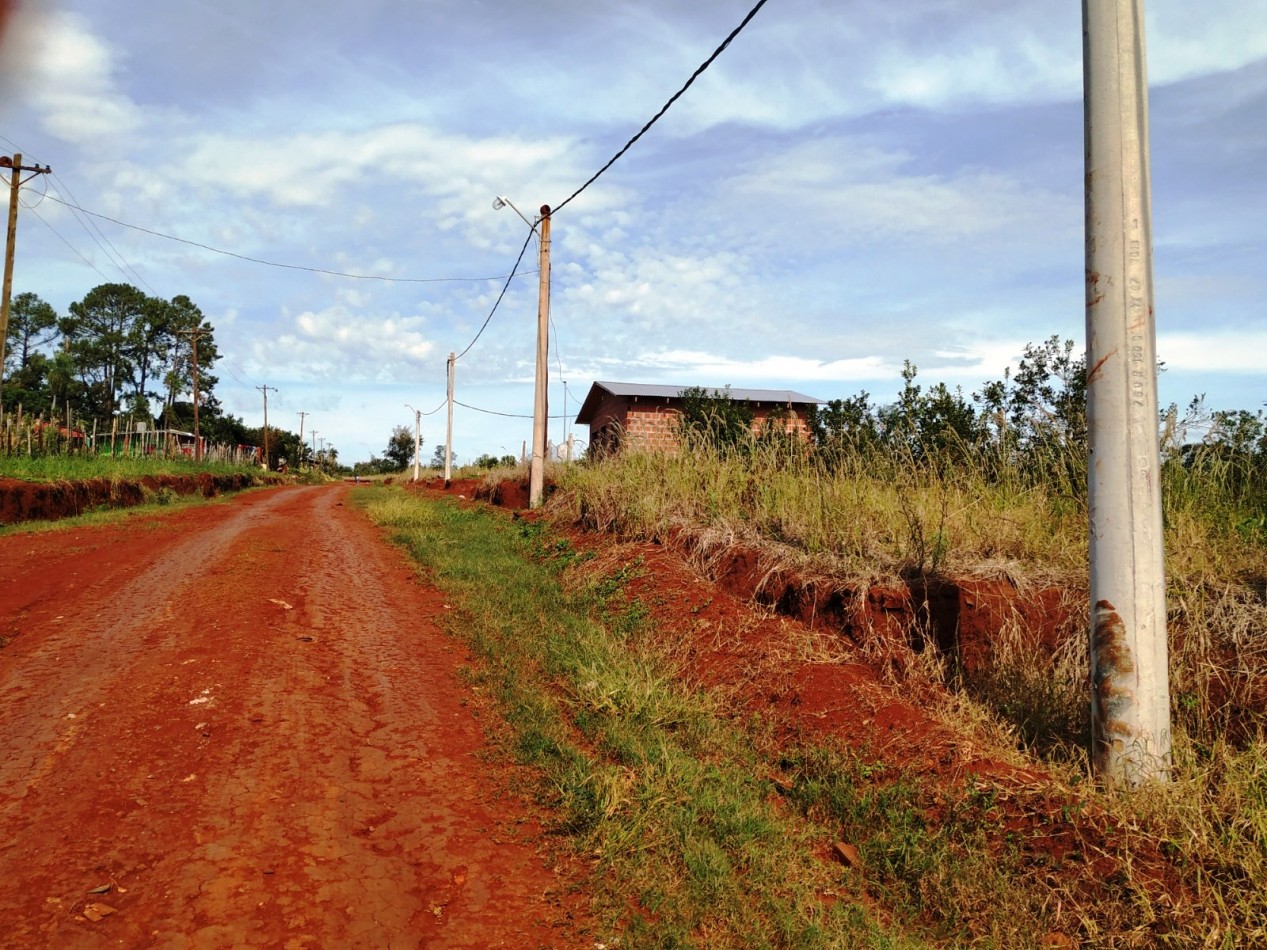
(1093, 284)
(1094, 375)
(1113, 699)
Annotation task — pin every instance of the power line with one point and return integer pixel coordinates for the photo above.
(127, 270)
(257, 260)
(39, 217)
(665, 108)
(504, 415)
(121, 262)
(497, 304)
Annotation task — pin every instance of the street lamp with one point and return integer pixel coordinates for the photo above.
(536, 471)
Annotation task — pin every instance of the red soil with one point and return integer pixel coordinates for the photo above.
(243, 721)
(238, 725)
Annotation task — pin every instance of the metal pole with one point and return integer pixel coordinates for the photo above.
(448, 440)
(536, 472)
(1130, 708)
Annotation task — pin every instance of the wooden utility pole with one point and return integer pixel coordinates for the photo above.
(193, 335)
(301, 415)
(11, 241)
(536, 471)
(1129, 657)
(264, 390)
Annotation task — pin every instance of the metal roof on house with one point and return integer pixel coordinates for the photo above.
(601, 389)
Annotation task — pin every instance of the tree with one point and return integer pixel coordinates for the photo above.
(495, 461)
(1044, 404)
(842, 424)
(224, 428)
(32, 326)
(713, 417)
(375, 466)
(178, 378)
(101, 342)
(935, 424)
(400, 448)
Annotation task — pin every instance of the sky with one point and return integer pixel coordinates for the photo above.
(849, 186)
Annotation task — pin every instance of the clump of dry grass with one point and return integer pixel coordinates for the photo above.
(863, 516)
(872, 515)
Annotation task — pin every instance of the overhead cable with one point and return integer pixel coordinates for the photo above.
(257, 260)
(113, 252)
(505, 287)
(665, 108)
(40, 218)
(504, 415)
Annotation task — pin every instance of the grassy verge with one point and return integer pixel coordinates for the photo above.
(690, 845)
(52, 468)
(875, 515)
(705, 833)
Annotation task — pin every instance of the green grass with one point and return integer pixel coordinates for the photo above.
(672, 795)
(644, 777)
(883, 515)
(52, 468)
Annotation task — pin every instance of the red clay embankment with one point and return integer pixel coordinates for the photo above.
(48, 501)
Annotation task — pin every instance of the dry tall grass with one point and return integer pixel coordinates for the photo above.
(872, 514)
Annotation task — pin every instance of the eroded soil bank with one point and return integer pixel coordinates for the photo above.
(49, 501)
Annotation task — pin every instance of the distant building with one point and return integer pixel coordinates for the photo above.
(647, 416)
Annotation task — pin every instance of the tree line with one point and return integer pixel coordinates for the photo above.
(1031, 421)
(119, 357)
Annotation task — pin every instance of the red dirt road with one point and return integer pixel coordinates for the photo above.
(242, 720)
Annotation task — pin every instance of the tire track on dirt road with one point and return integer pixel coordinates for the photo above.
(270, 747)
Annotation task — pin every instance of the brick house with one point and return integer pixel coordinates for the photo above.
(647, 416)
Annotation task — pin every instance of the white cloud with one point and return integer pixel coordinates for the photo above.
(689, 366)
(293, 167)
(345, 342)
(73, 81)
(843, 189)
(1188, 39)
(1215, 351)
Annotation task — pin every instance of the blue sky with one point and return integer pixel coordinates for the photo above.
(849, 186)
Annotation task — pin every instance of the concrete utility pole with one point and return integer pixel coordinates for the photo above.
(11, 243)
(314, 448)
(536, 472)
(1130, 707)
(448, 441)
(417, 440)
(264, 390)
(536, 468)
